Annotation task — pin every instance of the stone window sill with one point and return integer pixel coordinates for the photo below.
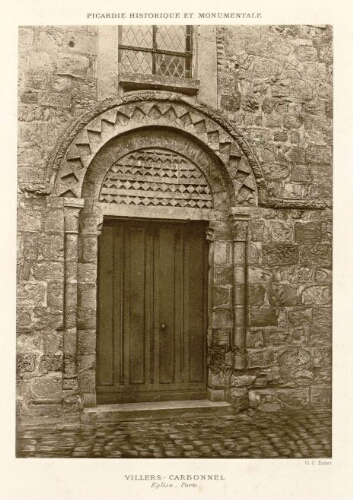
(152, 82)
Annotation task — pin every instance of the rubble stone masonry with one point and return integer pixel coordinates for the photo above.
(274, 86)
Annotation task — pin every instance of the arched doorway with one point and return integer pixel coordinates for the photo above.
(163, 174)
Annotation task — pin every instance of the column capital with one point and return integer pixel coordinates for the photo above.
(239, 222)
(72, 208)
(77, 203)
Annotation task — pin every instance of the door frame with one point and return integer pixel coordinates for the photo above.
(226, 332)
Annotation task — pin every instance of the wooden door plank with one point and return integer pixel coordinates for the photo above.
(117, 289)
(196, 304)
(149, 345)
(105, 308)
(178, 304)
(166, 305)
(137, 306)
(126, 306)
(156, 319)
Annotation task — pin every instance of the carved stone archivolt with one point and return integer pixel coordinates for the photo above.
(142, 110)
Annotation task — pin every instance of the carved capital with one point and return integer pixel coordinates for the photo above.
(210, 234)
(72, 207)
(240, 223)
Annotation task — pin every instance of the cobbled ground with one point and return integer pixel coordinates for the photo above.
(248, 434)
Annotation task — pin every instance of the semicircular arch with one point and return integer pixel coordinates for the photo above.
(142, 110)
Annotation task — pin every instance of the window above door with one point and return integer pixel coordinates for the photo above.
(157, 57)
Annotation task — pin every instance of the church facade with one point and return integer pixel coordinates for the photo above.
(174, 217)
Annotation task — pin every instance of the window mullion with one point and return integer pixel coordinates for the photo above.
(154, 48)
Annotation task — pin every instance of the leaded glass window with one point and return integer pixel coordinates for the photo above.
(156, 50)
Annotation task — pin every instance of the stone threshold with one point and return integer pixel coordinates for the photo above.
(154, 410)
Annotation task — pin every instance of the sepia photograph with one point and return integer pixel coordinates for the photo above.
(174, 239)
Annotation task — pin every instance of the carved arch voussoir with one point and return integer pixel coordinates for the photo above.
(76, 151)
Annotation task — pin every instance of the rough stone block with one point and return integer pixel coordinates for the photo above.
(321, 397)
(221, 296)
(32, 294)
(73, 65)
(318, 255)
(321, 328)
(281, 231)
(24, 270)
(254, 339)
(215, 395)
(259, 358)
(274, 338)
(322, 316)
(221, 337)
(300, 317)
(293, 121)
(217, 380)
(86, 342)
(259, 274)
(223, 275)
(307, 53)
(280, 254)
(48, 388)
(238, 398)
(54, 221)
(29, 220)
(86, 362)
(87, 273)
(222, 253)
(292, 274)
(294, 398)
(222, 319)
(51, 363)
(87, 296)
(45, 270)
(55, 99)
(86, 319)
(24, 318)
(89, 400)
(294, 357)
(307, 233)
(323, 275)
(256, 229)
(280, 136)
(265, 399)
(301, 174)
(283, 295)
(242, 380)
(256, 295)
(51, 248)
(266, 316)
(25, 363)
(88, 250)
(231, 102)
(45, 318)
(55, 294)
(319, 155)
(317, 295)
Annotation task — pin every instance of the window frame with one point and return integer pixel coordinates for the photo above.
(155, 51)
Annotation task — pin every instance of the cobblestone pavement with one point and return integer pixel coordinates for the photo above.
(244, 435)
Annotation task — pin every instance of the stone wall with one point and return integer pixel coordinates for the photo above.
(57, 83)
(275, 84)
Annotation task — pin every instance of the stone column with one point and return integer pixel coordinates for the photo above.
(240, 244)
(72, 208)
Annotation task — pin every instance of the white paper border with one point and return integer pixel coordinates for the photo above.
(37, 479)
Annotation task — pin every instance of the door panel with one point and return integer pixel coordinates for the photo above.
(152, 293)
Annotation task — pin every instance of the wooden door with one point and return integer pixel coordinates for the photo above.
(152, 311)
